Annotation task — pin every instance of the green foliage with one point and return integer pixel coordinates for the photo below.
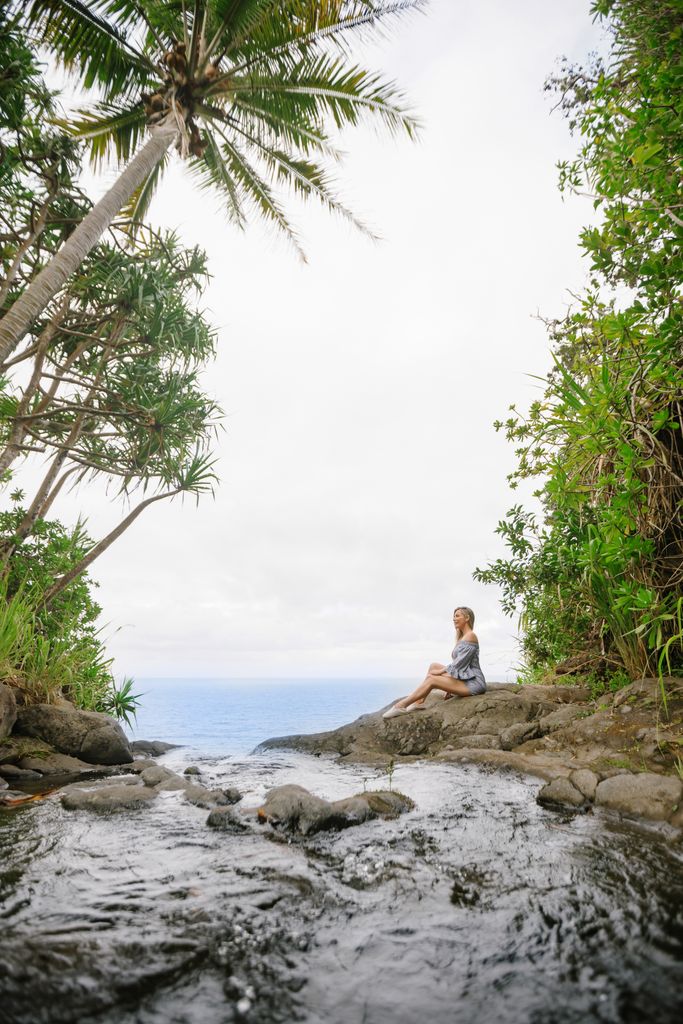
(602, 570)
(121, 702)
(106, 387)
(57, 648)
(599, 684)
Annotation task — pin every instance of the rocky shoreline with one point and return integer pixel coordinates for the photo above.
(618, 751)
(88, 758)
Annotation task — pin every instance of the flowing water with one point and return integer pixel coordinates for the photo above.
(478, 905)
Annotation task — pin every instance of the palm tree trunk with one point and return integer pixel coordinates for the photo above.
(54, 276)
(102, 545)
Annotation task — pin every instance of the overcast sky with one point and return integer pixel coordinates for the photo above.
(361, 477)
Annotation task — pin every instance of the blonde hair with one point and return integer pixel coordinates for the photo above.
(470, 615)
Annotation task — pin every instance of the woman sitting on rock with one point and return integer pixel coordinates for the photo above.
(462, 678)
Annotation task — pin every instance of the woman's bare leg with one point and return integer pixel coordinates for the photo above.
(456, 687)
(435, 669)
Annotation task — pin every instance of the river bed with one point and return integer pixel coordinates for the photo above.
(477, 905)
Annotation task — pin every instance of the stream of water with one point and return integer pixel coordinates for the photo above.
(478, 905)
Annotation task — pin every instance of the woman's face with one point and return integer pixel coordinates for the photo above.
(460, 620)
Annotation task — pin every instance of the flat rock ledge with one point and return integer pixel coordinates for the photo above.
(618, 751)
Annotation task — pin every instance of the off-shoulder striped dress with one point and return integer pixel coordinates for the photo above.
(465, 665)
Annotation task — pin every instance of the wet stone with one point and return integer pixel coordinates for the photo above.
(561, 793)
(200, 796)
(106, 799)
(153, 748)
(192, 769)
(226, 820)
(293, 807)
(154, 775)
(12, 771)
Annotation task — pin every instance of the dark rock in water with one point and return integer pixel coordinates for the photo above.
(231, 794)
(8, 710)
(157, 775)
(152, 747)
(140, 764)
(192, 769)
(293, 807)
(11, 771)
(88, 735)
(200, 796)
(227, 820)
(648, 795)
(106, 799)
(9, 797)
(561, 793)
(3, 784)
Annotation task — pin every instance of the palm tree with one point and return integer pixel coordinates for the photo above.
(244, 89)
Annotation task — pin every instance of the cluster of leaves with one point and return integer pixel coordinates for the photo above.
(601, 569)
(55, 649)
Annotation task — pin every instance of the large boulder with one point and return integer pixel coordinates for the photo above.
(8, 710)
(87, 735)
(294, 808)
(646, 795)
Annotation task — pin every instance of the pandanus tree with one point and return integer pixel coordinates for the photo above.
(247, 91)
(114, 391)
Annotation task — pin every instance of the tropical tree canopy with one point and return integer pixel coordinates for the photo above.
(249, 91)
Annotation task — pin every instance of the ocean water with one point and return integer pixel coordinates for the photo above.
(218, 717)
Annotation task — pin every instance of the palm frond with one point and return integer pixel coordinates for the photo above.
(327, 86)
(290, 36)
(247, 178)
(214, 173)
(307, 137)
(106, 127)
(97, 48)
(304, 177)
